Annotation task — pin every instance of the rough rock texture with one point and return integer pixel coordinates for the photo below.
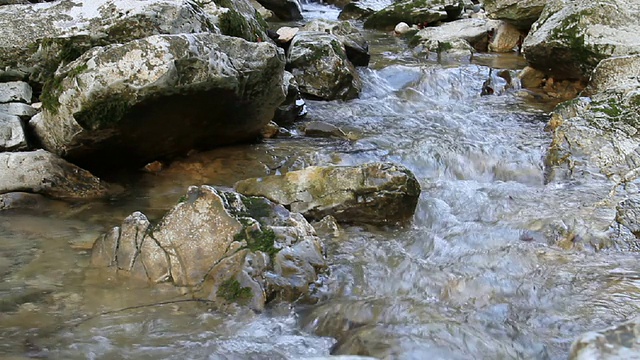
(531, 78)
(618, 342)
(44, 173)
(236, 18)
(355, 11)
(521, 14)
(376, 193)
(218, 245)
(355, 45)
(412, 12)
(12, 136)
(61, 31)
(320, 65)
(572, 37)
(293, 106)
(158, 96)
(452, 36)
(322, 129)
(507, 38)
(23, 111)
(15, 91)
(285, 10)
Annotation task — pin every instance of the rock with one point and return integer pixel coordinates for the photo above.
(265, 13)
(44, 173)
(571, 37)
(531, 78)
(340, 357)
(319, 63)
(355, 45)
(521, 14)
(377, 193)
(338, 3)
(37, 47)
(355, 11)
(270, 130)
(444, 37)
(506, 38)
(628, 214)
(323, 129)
(287, 33)
(402, 28)
(285, 10)
(12, 136)
(237, 18)
(24, 111)
(218, 245)
(158, 96)
(327, 227)
(293, 107)
(617, 342)
(420, 12)
(619, 72)
(15, 91)
(27, 201)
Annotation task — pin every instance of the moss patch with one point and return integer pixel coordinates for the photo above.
(231, 290)
(258, 240)
(103, 113)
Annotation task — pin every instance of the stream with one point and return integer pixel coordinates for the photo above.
(474, 275)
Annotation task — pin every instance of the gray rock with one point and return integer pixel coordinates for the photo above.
(218, 245)
(355, 45)
(355, 11)
(323, 129)
(321, 67)
(236, 18)
(161, 95)
(284, 9)
(24, 111)
(293, 107)
(414, 13)
(61, 31)
(15, 91)
(521, 14)
(377, 193)
(628, 214)
(44, 173)
(618, 342)
(620, 72)
(452, 36)
(571, 37)
(11, 133)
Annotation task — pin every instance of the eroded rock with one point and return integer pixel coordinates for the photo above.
(521, 14)
(158, 96)
(15, 91)
(355, 45)
(218, 245)
(376, 193)
(44, 173)
(617, 342)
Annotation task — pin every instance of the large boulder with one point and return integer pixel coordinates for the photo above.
(355, 45)
(464, 35)
(61, 31)
(236, 18)
(521, 14)
(376, 193)
(320, 65)
(160, 96)
(618, 342)
(412, 12)
(571, 37)
(285, 10)
(218, 245)
(44, 173)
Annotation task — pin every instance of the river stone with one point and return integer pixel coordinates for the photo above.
(44, 173)
(628, 214)
(616, 72)
(218, 244)
(618, 342)
(323, 129)
(15, 91)
(412, 12)
(376, 193)
(448, 36)
(521, 14)
(571, 37)
(531, 78)
(23, 111)
(285, 10)
(236, 18)
(165, 94)
(506, 38)
(12, 136)
(355, 11)
(321, 67)
(61, 31)
(355, 44)
(293, 107)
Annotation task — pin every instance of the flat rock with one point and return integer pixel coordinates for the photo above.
(24, 111)
(15, 91)
(12, 136)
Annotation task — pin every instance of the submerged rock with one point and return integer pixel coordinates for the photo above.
(218, 245)
(617, 342)
(160, 96)
(44, 173)
(377, 193)
(320, 65)
(571, 37)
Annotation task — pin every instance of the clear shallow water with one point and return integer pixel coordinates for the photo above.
(477, 274)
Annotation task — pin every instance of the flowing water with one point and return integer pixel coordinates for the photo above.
(476, 274)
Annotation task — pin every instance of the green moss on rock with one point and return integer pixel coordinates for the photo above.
(231, 290)
(103, 113)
